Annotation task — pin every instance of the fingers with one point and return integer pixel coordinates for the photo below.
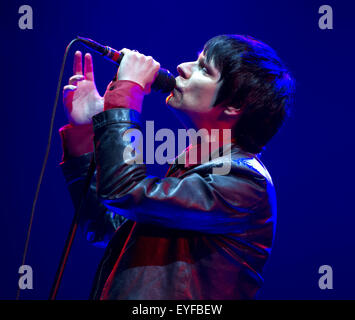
(88, 67)
(78, 68)
(74, 79)
(69, 87)
(68, 92)
(78, 65)
(125, 50)
(128, 52)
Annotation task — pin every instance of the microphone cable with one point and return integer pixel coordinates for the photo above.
(45, 157)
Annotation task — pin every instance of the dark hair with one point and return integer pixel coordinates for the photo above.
(254, 79)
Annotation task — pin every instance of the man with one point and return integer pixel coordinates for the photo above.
(194, 234)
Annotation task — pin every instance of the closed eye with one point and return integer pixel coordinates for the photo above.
(203, 67)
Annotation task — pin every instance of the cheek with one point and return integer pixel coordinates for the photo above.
(204, 95)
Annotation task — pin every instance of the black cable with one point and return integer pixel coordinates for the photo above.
(45, 157)
(72, 232)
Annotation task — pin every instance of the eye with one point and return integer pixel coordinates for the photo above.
(203, 68)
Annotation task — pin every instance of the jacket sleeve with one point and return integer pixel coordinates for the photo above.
(198, 200)
(77, 142)
(96, 220)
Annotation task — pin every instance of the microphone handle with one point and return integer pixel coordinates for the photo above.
(164, 82)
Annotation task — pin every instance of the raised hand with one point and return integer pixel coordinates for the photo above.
(80, 97)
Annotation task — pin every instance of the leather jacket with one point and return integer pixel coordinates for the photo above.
(190, 235)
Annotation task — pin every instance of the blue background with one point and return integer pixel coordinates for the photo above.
(310, 159)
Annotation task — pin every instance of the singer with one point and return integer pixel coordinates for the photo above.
(193, 234)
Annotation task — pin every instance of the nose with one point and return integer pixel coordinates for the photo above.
(184, 69)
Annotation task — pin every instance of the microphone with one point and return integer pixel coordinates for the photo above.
(164, 82)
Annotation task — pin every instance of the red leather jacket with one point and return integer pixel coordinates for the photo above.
(190, 235)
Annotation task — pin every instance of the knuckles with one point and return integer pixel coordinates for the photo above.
(157, 65)
(141, 58)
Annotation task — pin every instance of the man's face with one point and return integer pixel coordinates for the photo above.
(197, 87)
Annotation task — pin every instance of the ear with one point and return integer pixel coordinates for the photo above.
(232, 111)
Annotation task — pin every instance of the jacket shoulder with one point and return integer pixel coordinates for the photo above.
(238, 162)
(250, 162)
